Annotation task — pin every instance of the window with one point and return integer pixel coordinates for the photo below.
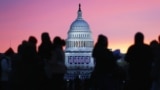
(79, 59)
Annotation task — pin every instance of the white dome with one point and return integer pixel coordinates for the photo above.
(79, 25)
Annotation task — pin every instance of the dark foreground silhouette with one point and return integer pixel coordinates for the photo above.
(140, 57)
(43, 68)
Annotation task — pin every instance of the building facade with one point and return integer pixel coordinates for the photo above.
(78, 51)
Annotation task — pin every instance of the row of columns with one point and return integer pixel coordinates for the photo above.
(79, 44)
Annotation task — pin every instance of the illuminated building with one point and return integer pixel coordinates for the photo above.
(78, 51)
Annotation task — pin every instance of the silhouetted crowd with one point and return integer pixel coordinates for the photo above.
(43, 67)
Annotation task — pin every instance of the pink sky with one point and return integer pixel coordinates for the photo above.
(119, 20)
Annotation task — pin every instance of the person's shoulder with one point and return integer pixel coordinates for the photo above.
(147, 46)
(109, 51)
(131, 47)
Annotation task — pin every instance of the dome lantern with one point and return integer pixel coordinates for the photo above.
(79, 16)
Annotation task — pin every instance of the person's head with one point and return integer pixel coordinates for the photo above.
(153, 43)
(32, 40)
(139, 38)
(45, 37)
(20, 48)
(102, 40)
(57, 41)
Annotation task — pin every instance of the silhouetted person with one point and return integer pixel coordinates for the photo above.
(17, 70)
(139, 56)
(156, 64)
(105, 64)
(44, 51)
(40, 65)
(33, 41)
(58, 64)
(26, 66)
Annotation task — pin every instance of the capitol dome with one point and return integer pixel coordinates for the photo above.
(78, 50)
(79, 24)
(79, 35)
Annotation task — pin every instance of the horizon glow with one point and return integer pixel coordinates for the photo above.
(118, 20)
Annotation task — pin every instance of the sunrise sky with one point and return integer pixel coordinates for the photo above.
(119, 20)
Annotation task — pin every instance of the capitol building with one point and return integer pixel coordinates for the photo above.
(78, 51)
